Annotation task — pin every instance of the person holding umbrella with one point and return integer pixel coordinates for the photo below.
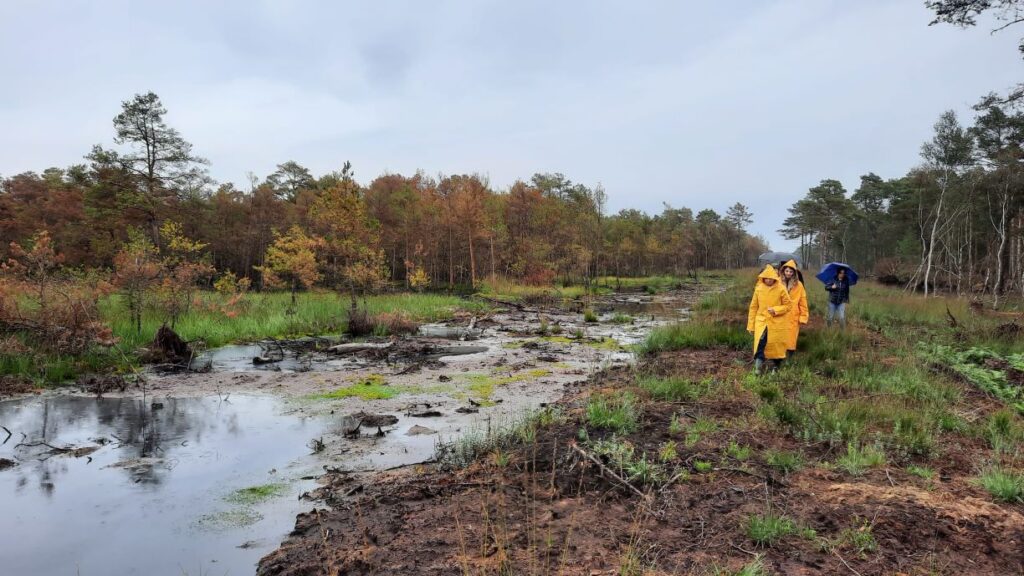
(838, 278)
(798, 313)
(767, 319)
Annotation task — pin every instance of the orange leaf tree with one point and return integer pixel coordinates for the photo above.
(291, 261)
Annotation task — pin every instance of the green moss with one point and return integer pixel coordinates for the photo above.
(605, 344)
(482, 386)
(372, 387)
(256, 494)
(227, 519)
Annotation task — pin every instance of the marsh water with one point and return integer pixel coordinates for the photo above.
(159, 495)
(201, 484)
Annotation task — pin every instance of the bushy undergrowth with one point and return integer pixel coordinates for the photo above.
(984, 368)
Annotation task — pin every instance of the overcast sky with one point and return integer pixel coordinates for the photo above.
(696, 104)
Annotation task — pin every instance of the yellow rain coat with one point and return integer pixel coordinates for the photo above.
(798, 313)
(777, 323)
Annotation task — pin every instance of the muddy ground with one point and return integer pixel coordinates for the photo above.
(547, 509)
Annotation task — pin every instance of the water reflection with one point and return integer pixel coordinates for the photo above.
(134, 500)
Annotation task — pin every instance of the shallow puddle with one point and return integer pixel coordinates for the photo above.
(185, 486)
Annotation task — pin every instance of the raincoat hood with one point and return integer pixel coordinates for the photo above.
(768, 272)
(791, 264)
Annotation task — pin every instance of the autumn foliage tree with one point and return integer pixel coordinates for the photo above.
(350, 257)
(137, 268)
(291, 262)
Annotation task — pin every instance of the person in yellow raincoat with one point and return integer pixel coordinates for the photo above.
(768, 320)
(798, 313)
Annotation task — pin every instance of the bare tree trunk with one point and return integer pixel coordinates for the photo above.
(935, 227)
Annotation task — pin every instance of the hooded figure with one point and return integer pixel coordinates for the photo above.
(768, 320)
(798, 313)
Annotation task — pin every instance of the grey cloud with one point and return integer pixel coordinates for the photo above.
(697, 105)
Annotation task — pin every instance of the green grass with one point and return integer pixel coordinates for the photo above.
(263, 315)
(619, 412)
(700, 334)
(668, 452)
(921, 472)
(510, 291)
(649, 284)
(620, 318)
(770, 528)
(737, 451)
(1004, 485)
(266, 315)
(859, 460)
(671, 389)
(484, 437)
(785, 462)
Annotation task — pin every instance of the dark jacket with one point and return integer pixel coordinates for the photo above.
(840, 294)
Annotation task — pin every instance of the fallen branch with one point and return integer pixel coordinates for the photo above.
(841, 559)
(608, 471)
(56, 449)
(8, 434)
(351, 347)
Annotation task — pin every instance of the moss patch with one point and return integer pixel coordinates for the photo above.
(483, 385)
(255, 494)
(373, 387)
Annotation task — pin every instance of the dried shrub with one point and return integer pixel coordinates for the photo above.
(56, 310)
(393, 323)
(892, 271)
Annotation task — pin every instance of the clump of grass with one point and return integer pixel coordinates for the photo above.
(702, 466)
(668, 452)
(544, 326)
(616, 412)
(1003, 432)
(770, 528)
(622, 455)
(858, 460)
(483, 440)
(620, 318)
(753, 568)
(921, 472)
(255, 494)
(859, 539)
(671, 389)
(694, 334)
(698, 429)
(785, 462)
(675, 426)
(589, 316)
(1004, 485)
(737, 451)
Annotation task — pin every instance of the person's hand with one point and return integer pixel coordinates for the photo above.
(771, 311)
(751, 331)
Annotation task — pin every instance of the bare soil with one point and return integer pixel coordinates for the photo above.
(548, 510)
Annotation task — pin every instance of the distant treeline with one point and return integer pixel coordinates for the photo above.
(955, 222)
(418, 229)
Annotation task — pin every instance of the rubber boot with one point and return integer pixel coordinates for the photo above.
(758, 365)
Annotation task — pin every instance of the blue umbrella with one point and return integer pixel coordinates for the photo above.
(828, 273)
